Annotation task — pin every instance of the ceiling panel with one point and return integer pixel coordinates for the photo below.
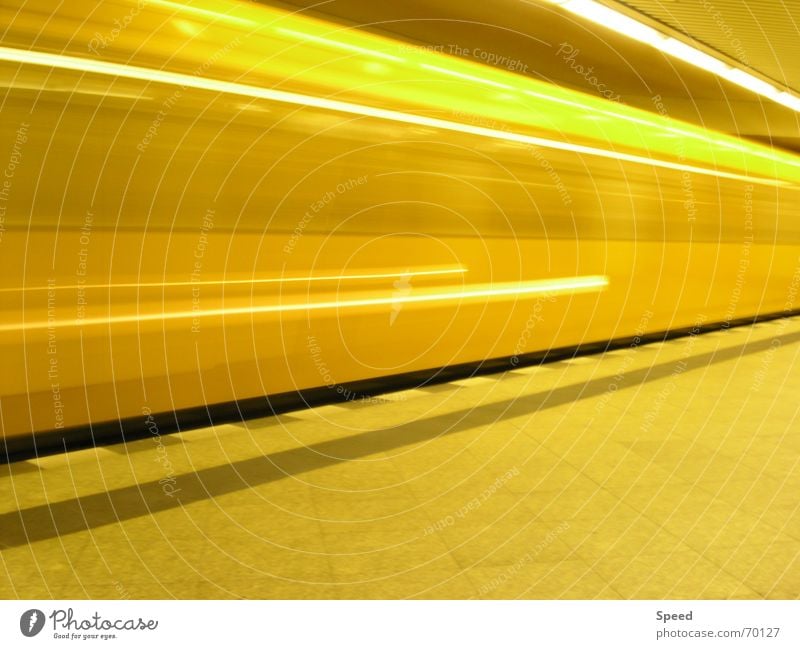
(761, 34)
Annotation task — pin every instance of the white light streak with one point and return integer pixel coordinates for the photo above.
(566, 285)
(175, 78)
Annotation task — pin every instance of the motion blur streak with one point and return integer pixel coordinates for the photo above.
(344, 46)
(632, 28)
(254, 282)
(468, 77)
(158, 76)
(213, 218)
(214, 15)
(71, 63)
(547, 287)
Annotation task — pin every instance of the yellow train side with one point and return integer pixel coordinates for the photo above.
(167, 246)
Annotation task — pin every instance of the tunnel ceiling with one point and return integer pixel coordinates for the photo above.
(546, 42)
(763, 35)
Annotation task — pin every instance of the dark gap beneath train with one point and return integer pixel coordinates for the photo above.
(129, 429)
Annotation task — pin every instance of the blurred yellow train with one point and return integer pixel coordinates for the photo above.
(204, 204)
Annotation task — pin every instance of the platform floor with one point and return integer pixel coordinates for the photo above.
(670, 470)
